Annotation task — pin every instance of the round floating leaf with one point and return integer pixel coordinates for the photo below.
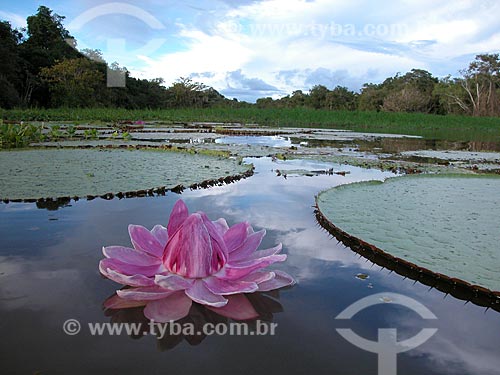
(446, 223)
(82, 172)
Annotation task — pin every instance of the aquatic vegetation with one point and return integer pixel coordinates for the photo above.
(478, 161)
(55, 132)
(127, 172)
(193, 260)
(90, 133)
(120, 134)
(395, 166)
(446, 223)
(309, 173)
(71, 131)
(19, 135)
(455, 155)
(126, 136)
(451, 127)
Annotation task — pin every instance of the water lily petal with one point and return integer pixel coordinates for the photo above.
(177, 216)
(224, 287)
(235, 236)
(281, 280)
(242, 269)
(266, 252)
(259, 276)
(198, 292)
(133, 280)
(248, 247)
(130, 269)
(143, 240)
(172, 308)
(130, 256)
(221, 225)
(173, 282)
(219, 249)
(238, 307)
(161, 234)
(115, 302)
(189, 250)
(148, 293)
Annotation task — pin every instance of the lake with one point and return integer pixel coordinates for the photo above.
(49, 274)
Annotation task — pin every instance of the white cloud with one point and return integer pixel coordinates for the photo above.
(271, 39)
(16, 20)
(265, 38)
(204, 53)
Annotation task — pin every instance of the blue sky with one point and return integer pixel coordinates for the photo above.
(249, 49)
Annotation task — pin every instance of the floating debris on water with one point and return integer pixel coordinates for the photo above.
(362, 276)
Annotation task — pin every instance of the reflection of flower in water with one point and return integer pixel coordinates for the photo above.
(248, 307)
(193, 259)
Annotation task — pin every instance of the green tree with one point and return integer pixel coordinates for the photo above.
(412, 92)
(317, 97)
(47, 42)
(187, 93)
(371, 97)
(407, 99)
(297, 99)
(267, 102)
(481, 81)
(12, 66)
(421, 80)
(451, 97)
(341, 98)
(73, 83)
(93, 54)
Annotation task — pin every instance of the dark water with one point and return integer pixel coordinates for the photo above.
(48, 274)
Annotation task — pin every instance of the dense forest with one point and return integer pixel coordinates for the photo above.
(39, 68)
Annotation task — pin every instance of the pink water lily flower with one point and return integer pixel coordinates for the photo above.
(194, 259)
(136, 266)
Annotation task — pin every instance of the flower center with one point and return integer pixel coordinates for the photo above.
(196, 250)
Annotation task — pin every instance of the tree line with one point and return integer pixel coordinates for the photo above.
(41, 67)
(475, 93)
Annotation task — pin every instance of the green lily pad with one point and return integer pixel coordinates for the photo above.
(447, 223)
(26, 174)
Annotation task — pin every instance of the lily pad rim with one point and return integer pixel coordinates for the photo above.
(478, 294)
(152, 191)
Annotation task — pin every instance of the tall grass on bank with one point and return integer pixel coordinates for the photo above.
(450, 127)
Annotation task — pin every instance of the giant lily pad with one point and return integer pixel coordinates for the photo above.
(446, 223)
(80, 172)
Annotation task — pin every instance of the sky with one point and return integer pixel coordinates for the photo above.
(257, 48)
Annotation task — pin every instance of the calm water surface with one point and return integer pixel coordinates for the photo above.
(48, 274)
(263, 140)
